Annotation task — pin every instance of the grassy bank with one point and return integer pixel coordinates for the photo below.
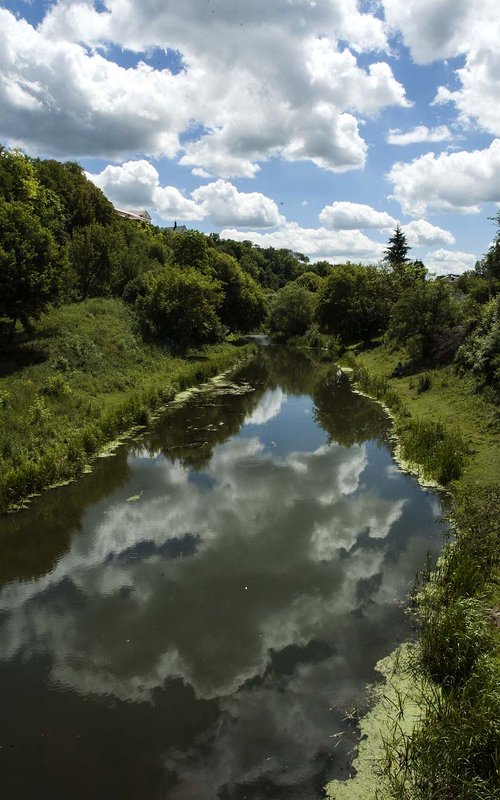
(453, 750)
(441, 401)
(85, 378)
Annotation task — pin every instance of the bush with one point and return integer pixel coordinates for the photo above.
(291, 312)
(180, 306)
(480, 353)
(424, 383)
(420, 312)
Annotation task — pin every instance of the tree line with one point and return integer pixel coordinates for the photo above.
(61, 241)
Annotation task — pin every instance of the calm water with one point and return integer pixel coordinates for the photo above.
(196, 618)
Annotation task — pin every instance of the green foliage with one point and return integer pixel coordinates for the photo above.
(310, 281)
(480, 353)
(243, 306)
(83, 203)
(98, 379)
(32, 264)
(56, 386)
(90, 256)
(440, 451)
(180, 305)
(453, 752)
(424, 383)
(190, 249)
(474, 285)
(397, 249)
(291, 311)
(420, 312)
(352, 303)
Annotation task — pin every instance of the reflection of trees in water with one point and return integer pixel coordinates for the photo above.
(33, 541)
(348, 418)
(190, 433)
(288, 368)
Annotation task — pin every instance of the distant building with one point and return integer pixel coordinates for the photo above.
(138, 216)
(177, 228)
(450, 278)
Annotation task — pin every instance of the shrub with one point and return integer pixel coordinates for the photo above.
(180, 306)
(424, 383)
(291, 311)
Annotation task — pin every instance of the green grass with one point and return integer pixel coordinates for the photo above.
(449, 400)
(453, 752)
(91, 378)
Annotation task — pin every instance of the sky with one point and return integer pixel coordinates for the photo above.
(316, 125)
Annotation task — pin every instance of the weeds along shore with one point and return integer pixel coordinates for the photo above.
(88, 378)
(449, 435)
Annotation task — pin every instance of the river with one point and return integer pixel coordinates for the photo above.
(197, 619)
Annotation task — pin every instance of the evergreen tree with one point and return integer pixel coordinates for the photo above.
(397, 251)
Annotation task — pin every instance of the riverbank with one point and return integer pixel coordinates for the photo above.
(451, 749)
(83, 380)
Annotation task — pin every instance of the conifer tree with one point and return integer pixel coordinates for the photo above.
(397, 251)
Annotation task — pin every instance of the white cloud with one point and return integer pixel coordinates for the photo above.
(419, 134)
(458, 181)
(136, 185)
(317, 243)
(479, 97)
(225, 205)
(58, 98)
(421, 233)
(349, 216)
(442, 261)
(450, 28)
(260, 80)
(269, 407)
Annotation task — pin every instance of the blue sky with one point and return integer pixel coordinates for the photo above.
(310, 124)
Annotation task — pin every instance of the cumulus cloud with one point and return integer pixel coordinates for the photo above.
(136, 185)
(225, 205)
(441, 262)
(317, 243)
(421, 233)
(419, 134)
(343, 215)
(454, 28)
(458, 181)
(259, 81)
(57, 97)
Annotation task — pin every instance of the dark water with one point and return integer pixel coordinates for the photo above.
(208, 639)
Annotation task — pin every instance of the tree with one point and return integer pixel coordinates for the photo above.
(353, 302)
(32, 264)
(180, 305)
(397, 251)
(90, 256)
(291, 311)
(422, 311)
(310, 281)
(243, 307)
(83, 202)
(480, 353)
(189, 249)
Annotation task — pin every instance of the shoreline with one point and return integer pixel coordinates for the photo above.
(146, 414)
(391, 727)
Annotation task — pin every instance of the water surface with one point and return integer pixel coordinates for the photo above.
(198, 618)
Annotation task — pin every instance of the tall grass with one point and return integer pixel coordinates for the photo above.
(454, 751)
(438, 451)
(97, 381)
